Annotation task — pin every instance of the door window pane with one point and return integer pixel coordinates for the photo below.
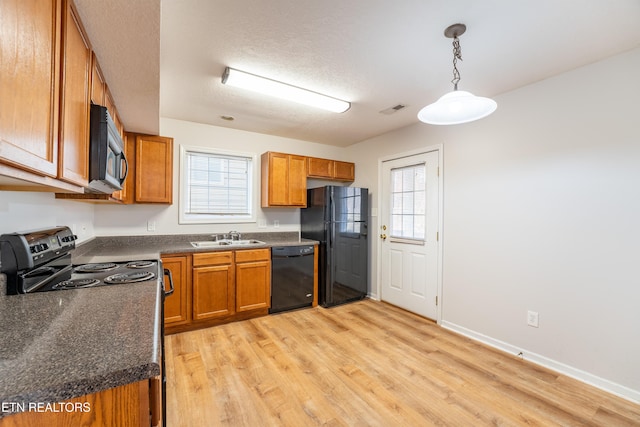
(408, 202)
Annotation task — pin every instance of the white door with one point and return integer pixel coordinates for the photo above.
(409, 233)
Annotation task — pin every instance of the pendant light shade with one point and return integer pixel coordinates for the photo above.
(456, 106)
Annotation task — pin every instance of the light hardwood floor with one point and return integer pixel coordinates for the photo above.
(367, 364)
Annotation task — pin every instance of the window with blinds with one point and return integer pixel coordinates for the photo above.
(217, 187)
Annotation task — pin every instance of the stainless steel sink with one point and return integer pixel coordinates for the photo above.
(226, 243)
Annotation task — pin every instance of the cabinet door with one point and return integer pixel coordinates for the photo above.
(75, 102)
(176, 305)
(97, 82)
(253, 285)
(297, 181)
(276, 180)
(319, 168)
(343, 171)
(30, 74)
(213, 292)
(154, 169)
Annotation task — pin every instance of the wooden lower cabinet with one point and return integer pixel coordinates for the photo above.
(253, 279)
(176, 305)
(211, 288)
(213, 285)
(125, 406)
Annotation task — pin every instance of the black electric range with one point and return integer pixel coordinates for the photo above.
(40, 260)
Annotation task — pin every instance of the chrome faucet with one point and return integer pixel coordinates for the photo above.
(234, 235)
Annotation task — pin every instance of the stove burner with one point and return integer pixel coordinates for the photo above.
(76, 283)
(140, 264)
(138, 276)
(95, 268)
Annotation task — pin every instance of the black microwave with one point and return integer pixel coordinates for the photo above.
(108, 165)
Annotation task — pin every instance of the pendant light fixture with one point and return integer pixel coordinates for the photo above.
(457, 106)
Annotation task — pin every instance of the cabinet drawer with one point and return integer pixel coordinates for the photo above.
(253, 255)
(212, 258)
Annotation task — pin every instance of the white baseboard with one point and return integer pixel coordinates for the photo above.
(585, 377)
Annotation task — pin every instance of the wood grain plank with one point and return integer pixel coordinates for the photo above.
(368, 364)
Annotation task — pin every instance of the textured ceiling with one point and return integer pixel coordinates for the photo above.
(374, 53)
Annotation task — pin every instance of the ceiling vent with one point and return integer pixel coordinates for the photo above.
(393, 109)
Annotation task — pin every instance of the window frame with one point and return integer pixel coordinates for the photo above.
(187, 218)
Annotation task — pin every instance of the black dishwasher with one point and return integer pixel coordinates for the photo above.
(291, 277)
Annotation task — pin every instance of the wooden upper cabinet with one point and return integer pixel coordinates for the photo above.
(319, 168)
(154, 169)
(97, 82)
(29, 84)
(75, 99)
(297, 181)
(344, 171)
(330, 169)
(113, 111)
(284, 180)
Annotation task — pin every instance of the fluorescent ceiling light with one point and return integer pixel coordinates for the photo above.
(241, 79)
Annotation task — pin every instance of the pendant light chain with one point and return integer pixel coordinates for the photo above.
(457, 54)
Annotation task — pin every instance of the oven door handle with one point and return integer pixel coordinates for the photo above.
(167, 272)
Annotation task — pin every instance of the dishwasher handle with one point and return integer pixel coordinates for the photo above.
(291, 251)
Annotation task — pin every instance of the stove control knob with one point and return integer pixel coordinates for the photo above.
(39, 248)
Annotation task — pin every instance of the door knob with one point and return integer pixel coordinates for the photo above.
(383, 236)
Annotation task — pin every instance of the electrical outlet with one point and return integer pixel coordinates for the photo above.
(151, 226)
(532, 318)
(262, 223)
(276, 224)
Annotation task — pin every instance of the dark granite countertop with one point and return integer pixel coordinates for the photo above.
(59, 345)
(128, 248)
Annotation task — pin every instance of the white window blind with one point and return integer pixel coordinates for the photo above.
(216, 186)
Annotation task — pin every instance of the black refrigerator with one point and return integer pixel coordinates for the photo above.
(337, 217)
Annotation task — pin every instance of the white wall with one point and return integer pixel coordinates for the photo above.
(132, 220)
(541, 208)
(20, 211)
